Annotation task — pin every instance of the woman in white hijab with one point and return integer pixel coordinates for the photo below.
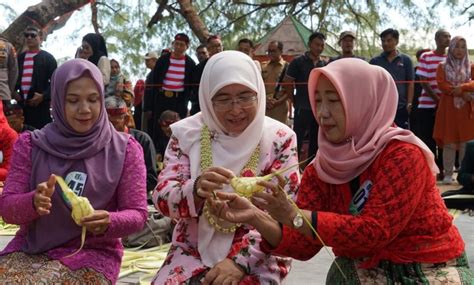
(231, 136)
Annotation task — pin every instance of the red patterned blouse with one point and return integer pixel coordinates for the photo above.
(401, 217)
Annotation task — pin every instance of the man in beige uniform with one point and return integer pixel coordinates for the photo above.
(8, 69)
(272, 73)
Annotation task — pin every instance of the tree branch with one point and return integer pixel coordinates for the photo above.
(95, 24)
(162, 5)
(116, 11)
(241, 17)
(301, 9)
(172, 9)
(207, 7)
(41, 15)
(264, 5)
(359, 16)
(56, 24)
(467, 8)
(325, 4)
(197, 25)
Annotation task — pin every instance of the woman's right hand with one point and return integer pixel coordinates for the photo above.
(467, 96)
(212, 179)
(42, 197)
(234, 208)
(275, 203)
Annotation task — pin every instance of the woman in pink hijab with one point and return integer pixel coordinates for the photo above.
(370, 193)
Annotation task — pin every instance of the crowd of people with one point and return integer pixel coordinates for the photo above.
(371, 137)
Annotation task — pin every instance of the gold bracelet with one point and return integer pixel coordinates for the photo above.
(212, 221)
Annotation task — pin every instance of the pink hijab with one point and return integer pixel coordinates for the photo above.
(369, 96)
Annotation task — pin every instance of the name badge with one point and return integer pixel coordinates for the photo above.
(360, 198)
(1, 156)
(76, 181)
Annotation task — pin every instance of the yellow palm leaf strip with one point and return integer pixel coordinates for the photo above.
(80, 207)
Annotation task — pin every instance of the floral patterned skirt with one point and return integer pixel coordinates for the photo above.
(455, 271)
(21, 268)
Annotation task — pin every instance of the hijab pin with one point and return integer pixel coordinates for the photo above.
(214, 136)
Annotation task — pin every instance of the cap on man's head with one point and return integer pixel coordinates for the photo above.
(347, 34)
(151, 54)
(213, 37)
(32, 28)
(182, 37)
(115, 106)
(11, 108)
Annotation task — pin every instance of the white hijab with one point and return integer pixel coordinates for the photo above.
(231, 152)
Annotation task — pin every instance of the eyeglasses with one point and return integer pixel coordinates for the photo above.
(226, 104)
(272, 51)
(30, 35)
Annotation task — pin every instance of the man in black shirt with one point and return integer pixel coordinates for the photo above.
(296, 77)
(214, 46)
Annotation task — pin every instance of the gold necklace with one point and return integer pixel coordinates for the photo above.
(250, 169)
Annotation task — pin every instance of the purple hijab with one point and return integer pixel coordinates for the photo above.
(57, 148)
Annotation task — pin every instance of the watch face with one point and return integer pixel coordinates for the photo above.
(298, 221)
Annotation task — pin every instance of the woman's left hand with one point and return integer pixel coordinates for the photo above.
(224, 272)
(275, 203)
(98, 222)
(457, 91)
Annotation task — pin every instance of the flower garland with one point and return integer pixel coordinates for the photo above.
(250, 169)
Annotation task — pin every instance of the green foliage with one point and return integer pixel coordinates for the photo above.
(124, 23)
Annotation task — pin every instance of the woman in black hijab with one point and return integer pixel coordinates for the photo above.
(95, 50)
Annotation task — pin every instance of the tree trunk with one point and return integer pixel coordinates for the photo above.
(43, 15)
(194, 20)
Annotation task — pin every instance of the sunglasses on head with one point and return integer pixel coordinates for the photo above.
(30, 35)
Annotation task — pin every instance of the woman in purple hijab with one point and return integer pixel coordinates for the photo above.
(97, 162)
